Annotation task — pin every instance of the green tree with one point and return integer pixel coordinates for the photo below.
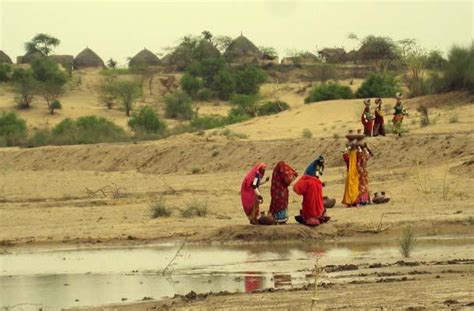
(244, 105)
(380, 51)
(127, 92)
(249, 79)
(222, 42)
(107, 93)
(24, 86)
(328, 91)
(191, 84)
(111, 63)
(379, 85)
(42, 43)
(51, 80)
(207, 35)
(5, 70)
(458, 73)
(179, 106)
(146, 72)
(414, 57)
(435, 60)
(223, 84)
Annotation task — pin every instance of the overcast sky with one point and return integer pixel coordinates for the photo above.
(119, 29)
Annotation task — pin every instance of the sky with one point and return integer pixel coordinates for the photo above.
(120, 29)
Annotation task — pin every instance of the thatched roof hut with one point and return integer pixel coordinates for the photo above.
(166, 60)
(64, 60)
(28, 58)
(4, 58)
(144, 57)
(333, 55)
(206, 49)
(242, 50)
(88, 58)
(306, 58)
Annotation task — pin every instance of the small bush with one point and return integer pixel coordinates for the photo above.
(12, 129)
(86, 130)
(327, 92)
(208, 122)
(236, 115)
(232, 135)
(245, 104)
(159, 209)
(223, 84)
(379, 85)
(196, 170)
(147, 121)
(307, 133)
(336, 136)
(274, 107)
(205, 94)
(179, 106)
(55, 105)
(215, 153)
(454, 118)
(407, 241)
(40, 138)
(194, 209)
(191, 84)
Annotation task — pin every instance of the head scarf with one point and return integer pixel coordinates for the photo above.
(247, 193)
(316, 167)
(367, 101)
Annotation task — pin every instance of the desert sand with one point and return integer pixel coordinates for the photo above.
(49, 197)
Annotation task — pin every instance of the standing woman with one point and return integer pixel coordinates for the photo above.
(282, 177)
(398, 115)
(250, 194)
(379, 127)
(350, 156)
(367, 118)
(364, 154)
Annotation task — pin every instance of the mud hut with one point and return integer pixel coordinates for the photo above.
(242, 50)
(333, 55)
(28, 58)
(88, 58)
(144, 57)
(306, 58)
(206, 49)
(4, 58)
(166, 60)
(65, 61)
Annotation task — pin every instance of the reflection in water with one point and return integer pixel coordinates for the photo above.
(89, 277)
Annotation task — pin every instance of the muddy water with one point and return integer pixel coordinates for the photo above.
(67, 278)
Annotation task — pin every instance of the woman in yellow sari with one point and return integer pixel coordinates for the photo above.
(351, 191)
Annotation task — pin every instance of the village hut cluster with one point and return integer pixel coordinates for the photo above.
(240, 51)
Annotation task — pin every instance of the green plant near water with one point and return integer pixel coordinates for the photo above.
(159, 209)
(194, 209)
(407, 241)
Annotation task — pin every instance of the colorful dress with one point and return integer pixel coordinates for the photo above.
(351, 191)
(312, 212)
(379, 127)
(398, 116)
(283, 176)
(367, 121)
(364, 195)
(247, 192)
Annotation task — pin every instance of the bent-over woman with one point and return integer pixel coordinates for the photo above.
(282, 177)
(250, 194)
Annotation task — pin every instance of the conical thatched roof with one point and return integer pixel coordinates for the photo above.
(166, 60)
(4, 58)
(144, 57)
(88, 58)
(64, 60)
(333, 55)
(28, 58)
(206, 49)
(242, 50)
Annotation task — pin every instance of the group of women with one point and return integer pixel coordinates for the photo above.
(309, 185)
(373, 123)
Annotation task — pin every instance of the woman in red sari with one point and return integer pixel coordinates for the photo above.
(367, 118)
(283, 176)
(249, 193)
(313, 211)
(379, 127)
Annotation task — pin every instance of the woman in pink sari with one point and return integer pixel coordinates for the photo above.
(249, 193)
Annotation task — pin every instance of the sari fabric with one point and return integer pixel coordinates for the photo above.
(367, 121)
(379, 127)
(364, 195)
(311, 189)
(247, 192)
(351, 191)
(283, 176)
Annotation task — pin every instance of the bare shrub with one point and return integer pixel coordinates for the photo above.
(110, 191)
(307, 134)
(454, 118)
(159, 209)
(407, 241)
(424, 115)
(194, 209)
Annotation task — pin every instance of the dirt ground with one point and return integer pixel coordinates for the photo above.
(81, 196)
